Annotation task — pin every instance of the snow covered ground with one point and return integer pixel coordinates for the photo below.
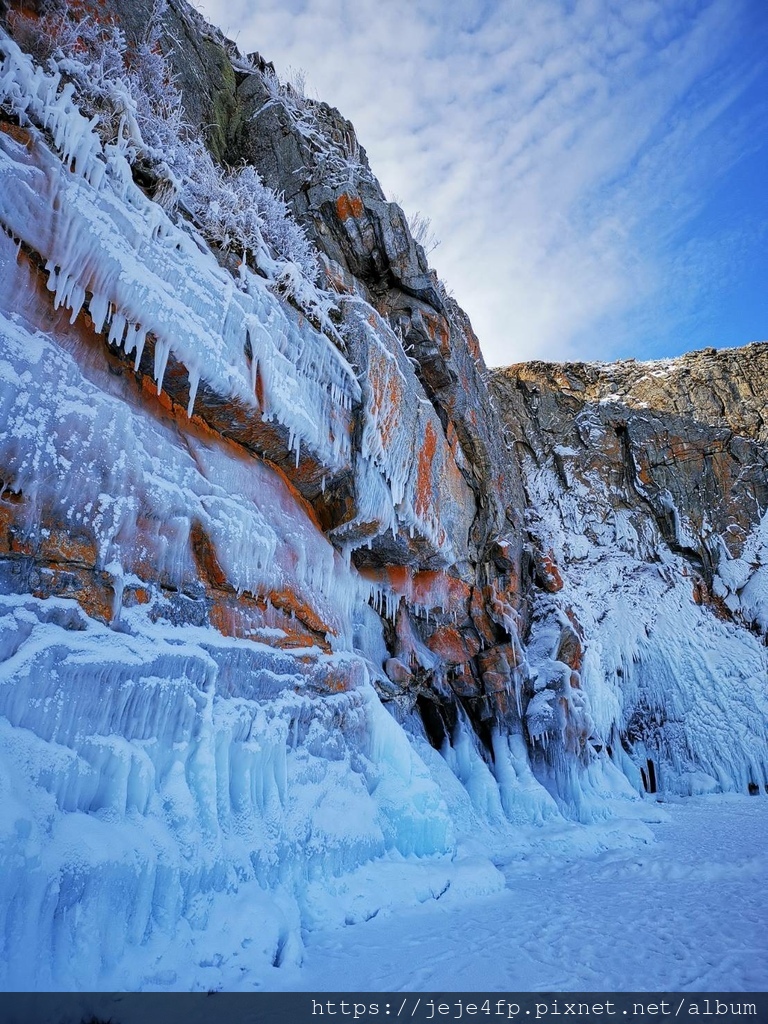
(687, 912)
(676, 905)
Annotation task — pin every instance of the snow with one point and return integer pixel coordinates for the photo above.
(683, 913)
(105, 241)
(568, 908)
(743, 581)
(686, 687)
(183, 810)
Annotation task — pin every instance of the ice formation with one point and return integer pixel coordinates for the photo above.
(226, 544)
(104, 241)
(688, 688)
(147, 772)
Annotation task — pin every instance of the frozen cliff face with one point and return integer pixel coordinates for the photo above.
(647, 484)
(448, 521)
(216, 530)
(288, 609)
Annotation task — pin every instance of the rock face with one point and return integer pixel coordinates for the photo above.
(411, 481)
(681, 445)
(647, 484)
(286, 594)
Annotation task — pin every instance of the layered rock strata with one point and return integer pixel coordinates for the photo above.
(285, 596)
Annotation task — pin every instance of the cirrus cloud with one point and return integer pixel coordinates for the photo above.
(574, 156)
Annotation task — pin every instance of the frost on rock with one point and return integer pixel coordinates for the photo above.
(742, 582)
(104, 242)
(673, 696)
(420, 492)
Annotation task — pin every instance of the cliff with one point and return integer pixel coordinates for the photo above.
(293, 589)
(647, 481)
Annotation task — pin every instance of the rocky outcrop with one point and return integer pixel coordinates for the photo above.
(418, 484)
(681, 442)
(309, 152)
(647, 483)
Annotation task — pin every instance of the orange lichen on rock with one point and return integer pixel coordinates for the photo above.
(92, 589)
(424, 483)
(478, 612)
(349, 206)
(438, 330)
(7, 518)
(56, 545)
(547, 573)
(136, 595)
(338, 681)
(462, 681)
(438, 589)
(430, 590)
(289, 603)
(205, 556)
(243, 616)
(454, 646)
(570, 649)
(17, 132)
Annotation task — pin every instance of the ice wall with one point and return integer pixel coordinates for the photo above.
(229, 538)
(150, 772)
(187, 714)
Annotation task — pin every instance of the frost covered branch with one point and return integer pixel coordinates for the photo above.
(135, 103)
(421, 228)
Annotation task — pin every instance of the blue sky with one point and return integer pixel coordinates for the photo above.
(596, 170)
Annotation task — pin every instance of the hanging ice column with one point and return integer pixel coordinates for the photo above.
(105, 242)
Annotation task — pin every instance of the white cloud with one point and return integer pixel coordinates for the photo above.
(554, 144)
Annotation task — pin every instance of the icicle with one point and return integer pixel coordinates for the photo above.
(76, 301)
(117, 329)
(141, 337)
(62, 281)
(194, 381)
(53, 276)
(162, 352)
(254, 374)
(99, 309)
(96, 173)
